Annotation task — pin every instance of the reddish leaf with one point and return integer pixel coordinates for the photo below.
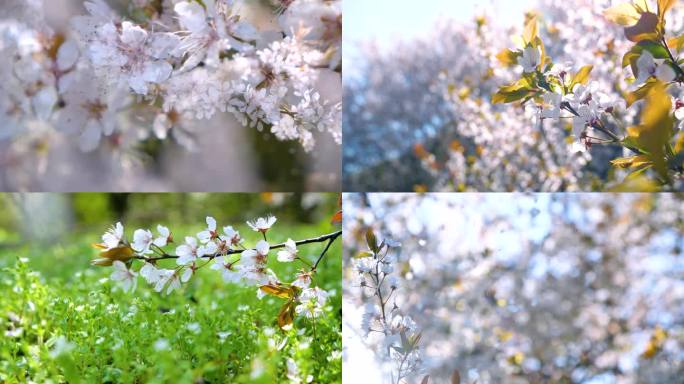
(456, 377)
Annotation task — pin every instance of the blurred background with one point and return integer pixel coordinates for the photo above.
(539, 288)
(50, 227)
(228, 156)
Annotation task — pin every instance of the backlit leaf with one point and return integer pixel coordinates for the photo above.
(631, 162)
(278, 291)
(286, 316)
(121, 253)
(531, 30)
(508, 57)
(582, 76)
(624, 14)
(656, 128)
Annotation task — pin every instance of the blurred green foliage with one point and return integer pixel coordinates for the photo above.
(51, 291)
(149, 209)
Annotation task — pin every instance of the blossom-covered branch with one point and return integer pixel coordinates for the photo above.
(151, 72)
(226, 252)
(393, 335)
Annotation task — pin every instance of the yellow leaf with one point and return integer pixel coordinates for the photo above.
(582, 76)
(278, 291)
(102, 262)
(531, 31)
(631, 162)
(624, 14)
(286, 316)
(516, 358)
(640, 93)
(636, 184)
(657, 126)
(676, 42)
(508, 57)
(121, 253)
(664, 6)
(655, 344)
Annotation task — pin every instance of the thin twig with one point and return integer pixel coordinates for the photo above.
(330, 237)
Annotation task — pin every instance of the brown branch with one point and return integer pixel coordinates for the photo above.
(330, 237)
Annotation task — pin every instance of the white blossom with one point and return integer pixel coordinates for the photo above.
(126, 277)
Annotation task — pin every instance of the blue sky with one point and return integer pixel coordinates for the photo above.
(386, 21)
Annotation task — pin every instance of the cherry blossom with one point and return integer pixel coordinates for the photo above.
(189, 252)
(289, 253)
(112, 238)
(116, 78)
(209, 233)
(123, 275)
(142, 240)
(262, 224)
(530, 59)
(312, 301)
(648, 67)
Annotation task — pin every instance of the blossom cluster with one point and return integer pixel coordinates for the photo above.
(393, 335)
(154, 72)
(223, 250)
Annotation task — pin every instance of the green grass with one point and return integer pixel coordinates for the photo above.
(209, 332)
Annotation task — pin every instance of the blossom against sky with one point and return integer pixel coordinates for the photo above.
(387, 21)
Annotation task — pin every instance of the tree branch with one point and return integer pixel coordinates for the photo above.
(331, 240)
(330, 237)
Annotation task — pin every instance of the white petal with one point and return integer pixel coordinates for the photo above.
(163, 45)
(187, 274)
(262, 247)
(211, 223)
(90, 137)
(67, 55)
(156, 71)
(192, 16)
(665, 73)
(132, 34)
(44, 102)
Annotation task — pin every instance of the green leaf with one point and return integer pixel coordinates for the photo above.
(514, 92)
(372, 241)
